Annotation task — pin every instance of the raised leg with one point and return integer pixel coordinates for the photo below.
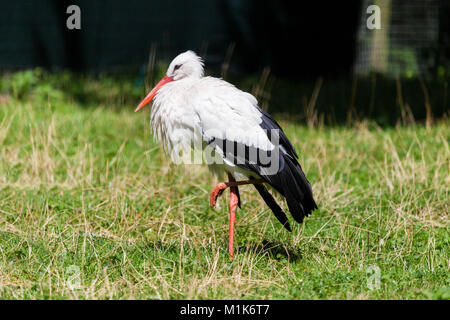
(218, 190)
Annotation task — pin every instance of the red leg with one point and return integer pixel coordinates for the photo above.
(234, 201)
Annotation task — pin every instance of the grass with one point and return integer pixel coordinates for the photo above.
(91, 208)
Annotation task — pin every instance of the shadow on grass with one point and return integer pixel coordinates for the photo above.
(276, 250)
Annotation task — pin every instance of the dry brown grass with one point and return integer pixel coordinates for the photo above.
(87, 193)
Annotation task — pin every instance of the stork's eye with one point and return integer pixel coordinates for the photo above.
(178, 66)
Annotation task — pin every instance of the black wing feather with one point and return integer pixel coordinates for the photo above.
(290, 180)
(268, 123)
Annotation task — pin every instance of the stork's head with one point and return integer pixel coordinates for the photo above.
(185, 65)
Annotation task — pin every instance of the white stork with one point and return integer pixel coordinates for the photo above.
(190, 108)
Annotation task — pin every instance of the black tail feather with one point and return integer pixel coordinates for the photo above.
(291, 182)
(238, 196)
(302, 187)
(273, 205)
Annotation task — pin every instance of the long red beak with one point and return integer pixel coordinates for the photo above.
(152, 93)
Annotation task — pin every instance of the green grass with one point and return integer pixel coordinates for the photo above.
(90, 207)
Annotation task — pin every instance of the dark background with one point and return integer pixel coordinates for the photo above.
(296, 40)
(306, 45)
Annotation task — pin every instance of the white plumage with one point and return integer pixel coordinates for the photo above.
(193, 111)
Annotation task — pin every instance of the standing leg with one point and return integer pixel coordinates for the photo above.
(234, 201)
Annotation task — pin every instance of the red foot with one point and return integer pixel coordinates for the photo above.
(217, 191)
